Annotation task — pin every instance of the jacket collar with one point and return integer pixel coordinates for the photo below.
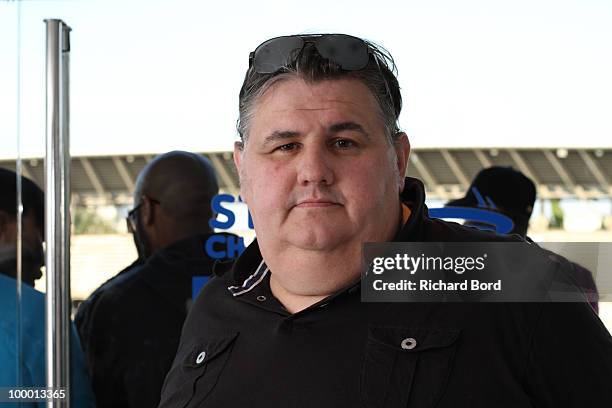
(413, 196)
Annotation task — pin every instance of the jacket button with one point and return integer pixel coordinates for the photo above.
(200, 357)
(408, 343)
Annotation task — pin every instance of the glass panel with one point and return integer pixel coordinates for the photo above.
(11, 372)
(22, 215)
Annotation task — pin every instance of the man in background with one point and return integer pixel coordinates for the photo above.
(511, 193)
(131, 325)
(22, 339)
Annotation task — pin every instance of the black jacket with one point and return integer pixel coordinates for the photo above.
(241, 348)
(130, 326)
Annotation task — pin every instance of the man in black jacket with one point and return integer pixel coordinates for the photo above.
(130, 326)
(321, 163)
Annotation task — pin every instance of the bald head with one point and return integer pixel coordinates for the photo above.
(175, 189)
(183, 183)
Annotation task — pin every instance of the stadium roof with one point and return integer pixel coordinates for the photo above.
(558, 173)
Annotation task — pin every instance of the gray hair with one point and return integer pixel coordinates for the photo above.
(379, 76)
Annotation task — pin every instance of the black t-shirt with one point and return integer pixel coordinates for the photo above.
(241, 348)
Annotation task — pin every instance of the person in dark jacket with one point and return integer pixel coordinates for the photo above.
(130, 326)
(510, 192)
(321, 163)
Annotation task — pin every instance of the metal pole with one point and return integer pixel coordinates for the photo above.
(57, 215)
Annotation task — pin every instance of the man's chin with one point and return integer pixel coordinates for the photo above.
(309, 240)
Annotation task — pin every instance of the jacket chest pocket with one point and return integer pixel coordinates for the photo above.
(406, 367)
(196, 371)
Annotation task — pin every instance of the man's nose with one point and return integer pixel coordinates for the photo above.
(315, 166)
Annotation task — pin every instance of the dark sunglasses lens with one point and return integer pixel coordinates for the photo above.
(350, 53)
(276, 53)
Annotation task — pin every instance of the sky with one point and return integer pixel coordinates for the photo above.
(152, 76)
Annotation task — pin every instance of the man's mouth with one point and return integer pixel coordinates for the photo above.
(315, 203)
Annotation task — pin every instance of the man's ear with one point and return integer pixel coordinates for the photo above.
(238, 149)
(147, 211)
(402, 152)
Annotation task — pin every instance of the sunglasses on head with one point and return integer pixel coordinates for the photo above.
(350, 53)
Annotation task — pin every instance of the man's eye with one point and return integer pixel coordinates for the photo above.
(287, 147)
(344, 144)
